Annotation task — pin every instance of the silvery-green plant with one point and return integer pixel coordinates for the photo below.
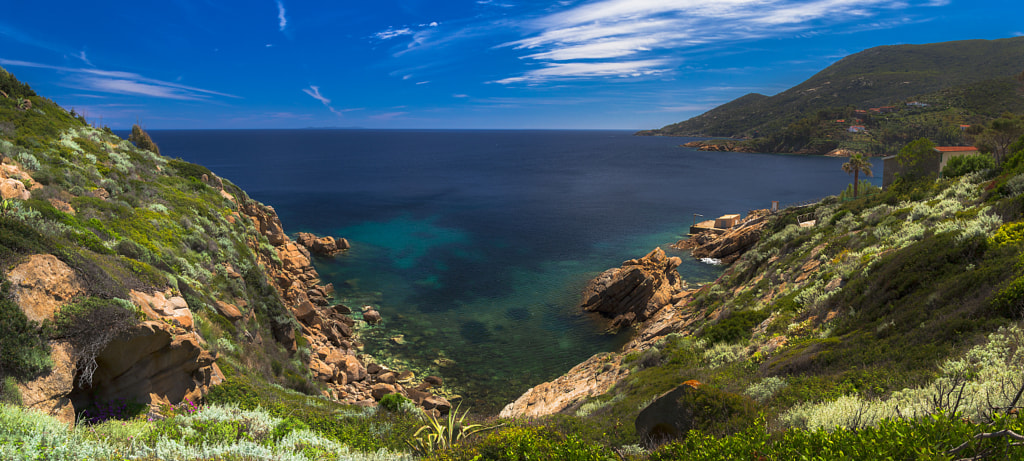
(764, 389)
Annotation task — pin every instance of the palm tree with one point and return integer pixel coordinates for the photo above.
(857, 165)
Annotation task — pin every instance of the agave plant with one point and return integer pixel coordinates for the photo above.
(442, 434)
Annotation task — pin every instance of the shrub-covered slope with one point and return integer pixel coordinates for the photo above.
(963, 82)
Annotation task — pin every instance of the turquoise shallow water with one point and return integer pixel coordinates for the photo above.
(476, 245)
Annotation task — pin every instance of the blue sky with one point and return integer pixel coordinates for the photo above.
(617, 64)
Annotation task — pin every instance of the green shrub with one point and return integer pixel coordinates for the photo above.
(189, 170)
(717, 412)
(287, 426)
(23, 350)
(1008, 234)
(965, 164)
(526, 443)
(735, 327)
(394, 402)
(142, 140)
(10, 393)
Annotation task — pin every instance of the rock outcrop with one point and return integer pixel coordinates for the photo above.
(42, 284)
(16, 183)
(729, 245)
(634, 292)
(324, 246)
(595, 376)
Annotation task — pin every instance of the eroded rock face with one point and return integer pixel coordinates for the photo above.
(634, 292)
(49, 392)
(42, 284)
(593, 377)
(151, 364)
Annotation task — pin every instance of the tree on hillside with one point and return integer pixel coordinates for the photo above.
(142, 139)
(857, 165)
(999, 135)
(914, 152)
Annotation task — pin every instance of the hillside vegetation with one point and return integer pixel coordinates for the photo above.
(888, 329)
(962, 83)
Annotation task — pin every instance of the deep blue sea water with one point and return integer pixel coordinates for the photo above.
(476, 245)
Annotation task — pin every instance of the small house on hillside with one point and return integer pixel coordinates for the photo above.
(931, 165)
(954, 151)
(856, 129)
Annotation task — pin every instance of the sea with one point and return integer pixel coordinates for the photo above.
(475, 246)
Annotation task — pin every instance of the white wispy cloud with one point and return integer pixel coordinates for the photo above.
(282, 21)
(553, 71)
(642, 37)
(81, 55)
(391, 32)
(127, 83)
(314, 91)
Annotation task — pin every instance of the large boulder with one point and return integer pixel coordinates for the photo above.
(158, 306)
(691, 406)
(11, 188)
(42, 284)
(635, 291)
(228, 310)
(353, 369)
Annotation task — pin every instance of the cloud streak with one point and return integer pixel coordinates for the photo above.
(282, 21)
(642, 37)
(126, 83)
(314, 92)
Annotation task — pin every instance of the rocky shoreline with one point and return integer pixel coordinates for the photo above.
(648, 295)
(331, 330)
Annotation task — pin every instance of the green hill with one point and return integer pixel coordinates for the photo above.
(972, 80)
